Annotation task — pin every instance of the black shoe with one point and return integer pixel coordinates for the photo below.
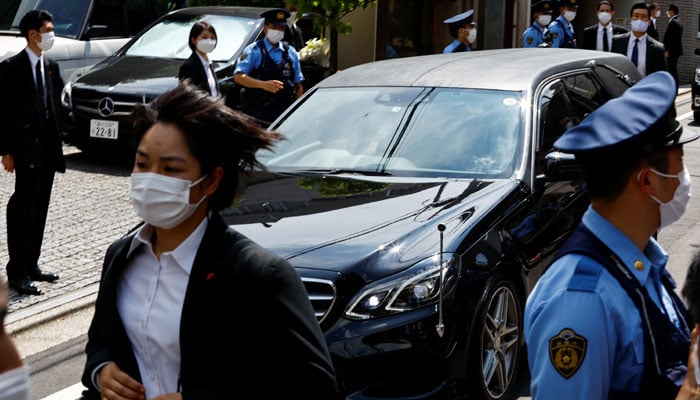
(40, 276)
(24, 286)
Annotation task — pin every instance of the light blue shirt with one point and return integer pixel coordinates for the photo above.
(252, 58)
(450, 48)
(534, 35)
(606, 318)
(558, 29)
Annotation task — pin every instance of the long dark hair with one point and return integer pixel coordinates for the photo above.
(217, 135)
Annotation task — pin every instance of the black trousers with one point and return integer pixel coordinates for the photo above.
(27, 210)
(673, 68)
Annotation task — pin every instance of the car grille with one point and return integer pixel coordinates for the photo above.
(89, 102)
(322, 294)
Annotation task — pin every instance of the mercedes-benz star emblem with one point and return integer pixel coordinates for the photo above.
(105, 107)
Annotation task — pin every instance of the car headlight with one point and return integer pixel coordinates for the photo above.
(66, 95)
(408, 290)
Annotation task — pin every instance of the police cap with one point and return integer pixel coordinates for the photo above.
(461, 19)
(641, 120)
(567, 3)
(543, 6)
(277, 16)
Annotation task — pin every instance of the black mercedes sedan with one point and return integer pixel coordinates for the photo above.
(98, 104)
(420, 199)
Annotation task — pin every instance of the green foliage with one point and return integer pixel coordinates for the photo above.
(329, 13)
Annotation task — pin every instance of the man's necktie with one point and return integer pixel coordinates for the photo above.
(40, 84)
(605, 39)
(635, 52)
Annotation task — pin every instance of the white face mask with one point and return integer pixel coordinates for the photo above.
(668, 14)
(471, 38)
(14, 384)
(162, 201)
(570, 15)
(46, 41)
(639, 25)
(274, 36)
(544, 20)
(206, 45)
(657, 14)
(604, 17)
(673, 210)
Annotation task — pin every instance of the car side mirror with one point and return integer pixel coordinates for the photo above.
(95, 31)
(560, 166)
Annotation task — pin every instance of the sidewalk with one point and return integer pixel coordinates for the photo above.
(92, 215)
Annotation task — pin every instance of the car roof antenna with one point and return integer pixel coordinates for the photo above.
(440, 327)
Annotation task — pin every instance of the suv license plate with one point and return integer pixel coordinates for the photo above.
(104, 129)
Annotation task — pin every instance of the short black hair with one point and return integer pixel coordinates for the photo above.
(640, 5)
(454, 28)
(673, 8)
(217, 135)
(605, 2)
(33, 20)
(197, 29)
(653, 5)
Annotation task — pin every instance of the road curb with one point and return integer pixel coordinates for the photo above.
(27, 318)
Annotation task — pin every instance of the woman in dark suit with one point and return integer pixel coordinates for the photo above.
(188, 308)
(198, 68)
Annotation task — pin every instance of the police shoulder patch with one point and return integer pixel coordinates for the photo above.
(530, 40)
(554, 35)
(243, 56)
(566, 352)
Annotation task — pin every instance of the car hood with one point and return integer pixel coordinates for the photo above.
(132, 75)
(372, 226)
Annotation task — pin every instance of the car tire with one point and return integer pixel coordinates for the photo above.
(496, 349)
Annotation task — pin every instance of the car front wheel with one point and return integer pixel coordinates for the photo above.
(496, 347)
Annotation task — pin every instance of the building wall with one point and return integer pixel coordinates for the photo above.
(360, 45)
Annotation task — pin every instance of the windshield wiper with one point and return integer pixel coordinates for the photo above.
(340, 171)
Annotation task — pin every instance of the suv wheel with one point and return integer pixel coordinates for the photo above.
(496, 347)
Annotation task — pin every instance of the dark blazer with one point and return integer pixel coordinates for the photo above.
(656, 61)
(193, 70)
(652, 31)
(25, 133)
(247, 331)
(590, 35)
(673, 38)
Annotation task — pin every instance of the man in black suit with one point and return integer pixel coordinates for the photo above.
(30, 145)
(673, 41)
(599, 36)
(645, 52)
(654, 12)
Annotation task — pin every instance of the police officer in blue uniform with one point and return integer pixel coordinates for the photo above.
(269, 71)
(463, 29)
(560, 32)
(604, 321)
(542, 16)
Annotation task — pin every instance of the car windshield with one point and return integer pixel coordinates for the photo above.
(68, 16)
(169, 38)
(430, 132)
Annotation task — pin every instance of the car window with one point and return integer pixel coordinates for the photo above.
(125, 18)
(564, 103)
(410, 131)
(69, 16)
(168, 39)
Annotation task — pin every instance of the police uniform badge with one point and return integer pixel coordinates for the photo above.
(567, 351)
(243, 56)
(530, 40)
(553, 34)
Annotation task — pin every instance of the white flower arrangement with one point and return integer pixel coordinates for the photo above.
(316, 51)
